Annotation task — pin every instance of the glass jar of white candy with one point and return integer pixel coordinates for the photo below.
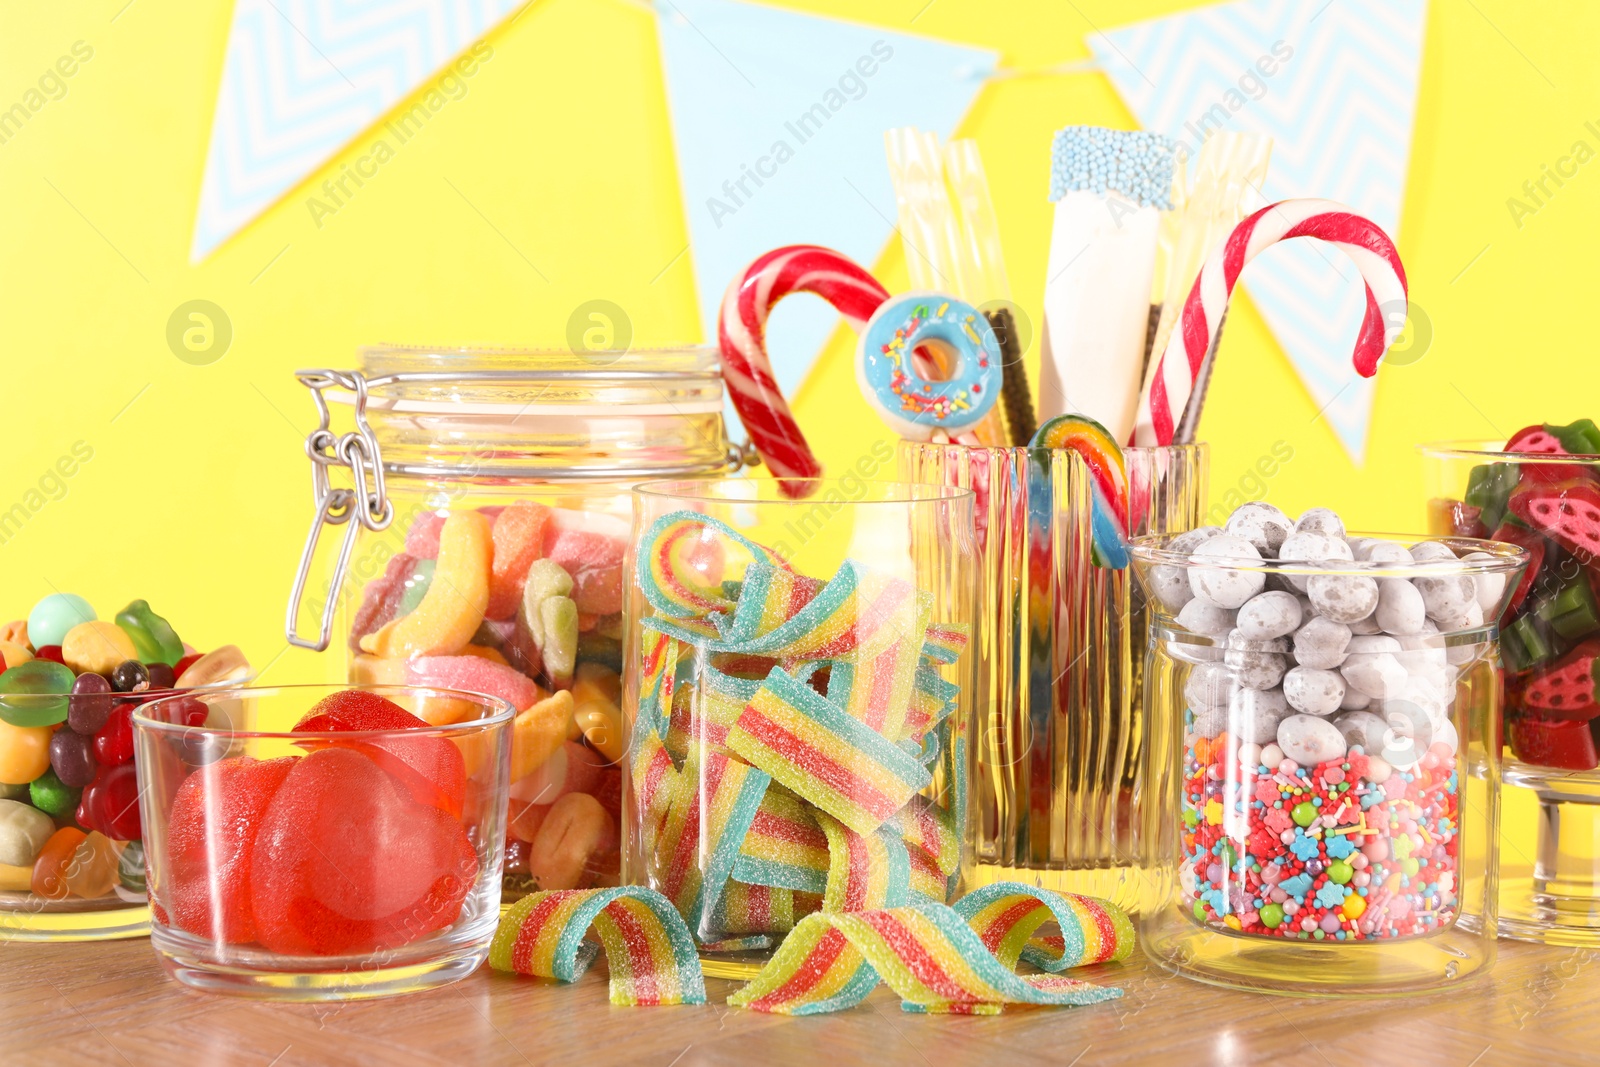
(1324, 759)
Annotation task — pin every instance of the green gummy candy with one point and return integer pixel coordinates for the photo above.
(1581, 438)
(130, 867)
(417, 585)
(53, 796)
(153, 637)
(35, 693)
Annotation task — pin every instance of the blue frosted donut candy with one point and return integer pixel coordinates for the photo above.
(909, 403)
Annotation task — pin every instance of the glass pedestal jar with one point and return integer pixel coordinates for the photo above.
(799, 685)
(1550, 644)
(1322, 817)
(483, 550)
(1060, 731)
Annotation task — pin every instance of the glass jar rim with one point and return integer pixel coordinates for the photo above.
(760, 491)
(1502, 558)
(1491, 451)
(504, 712)
(385, 363)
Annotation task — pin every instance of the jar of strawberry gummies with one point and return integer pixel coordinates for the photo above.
(485, 512)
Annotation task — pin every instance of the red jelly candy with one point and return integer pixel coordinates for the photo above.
(1567, 744)
(184, 664)
(431, 768)
(1522, 537)
(215, 817)
(113, 743)
(51, 653)
(1566, 689)
(346, 862)
(1567, 512)
(518, 535)
(116, 804)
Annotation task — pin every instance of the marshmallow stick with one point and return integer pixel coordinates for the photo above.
(1109, 187)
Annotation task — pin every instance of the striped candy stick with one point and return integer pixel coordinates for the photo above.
(1171, 382)
(746, 367)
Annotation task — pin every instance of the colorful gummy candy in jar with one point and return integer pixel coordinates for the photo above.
(71, 848)
(1322, 702)
(1540, 490)
(487, 555)
(315, 842)
(799, 689)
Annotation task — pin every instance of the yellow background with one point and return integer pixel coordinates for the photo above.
(197, 494)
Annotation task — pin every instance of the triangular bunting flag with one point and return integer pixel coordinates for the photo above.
(779, 120)
(302, 77)
(1335, 86)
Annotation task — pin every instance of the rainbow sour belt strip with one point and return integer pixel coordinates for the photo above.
(822, 754)
(866, 871)
(785, 847)
(648, 948)
(683, 547)
(717, 797)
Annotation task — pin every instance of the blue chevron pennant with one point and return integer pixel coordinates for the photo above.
(779, 119)
(302, 77)
(1335, 86)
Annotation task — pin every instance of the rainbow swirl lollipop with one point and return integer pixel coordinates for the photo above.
(1100, 452)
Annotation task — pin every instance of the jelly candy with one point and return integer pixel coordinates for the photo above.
(23, 832)
(96, 647)
(14, 654)
(600, 722)
(20, 879)
(546, 639)
(24, 752)
(114, 805)
(452, 609)
(72, 758)
(422, 540)
(519, 536)
(211, 838)
(1566, 690)
(185, 663)
(476, 675)
(52, 796)
(1563, 744)
(51, 653)
(431, 768)
(571, 768)
(152, 635)
(370, 670)
(344, 862)
(50, 869)
(575, 828)
(53, 616)
(130, 867)
(15, 632)
(380, 600)
(113, 744)
(1567, 512)
(592, 680)
(161, 675)
(93, 867)
(416, 585)
(130, 676)
(595, 563)
(225, 664)
(89, 704)
(35, 693)
(538, 732)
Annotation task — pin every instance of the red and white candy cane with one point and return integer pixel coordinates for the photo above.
(746, 368)
(1168, 390)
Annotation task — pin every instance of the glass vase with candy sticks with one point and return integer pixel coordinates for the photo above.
(486, 519)
(798, 687)
(1060, 735)
(1540, 489)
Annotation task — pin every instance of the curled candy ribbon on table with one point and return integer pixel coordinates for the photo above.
(959, 959)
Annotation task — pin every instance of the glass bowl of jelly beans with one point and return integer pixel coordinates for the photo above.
(1540, 489)
(71, 838)
(323, 842)
(1323, 708)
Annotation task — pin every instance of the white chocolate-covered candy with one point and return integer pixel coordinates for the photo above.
(1210, 723)
(1428, 551)
(1203, 617)
(1354, 699)
(1221, 585)
(1345, 598)
(1210, 685)
(1320, 520)
(1321, 643)
(1309, 740)
(1262, 525)
(1372, 668)
(1256, 713)
(1313, 691)
(1362, 728)
(1377, 551)
(1171, 583)
(1269, 614)
(1256, 664)
(1491, 587)
(1311, 547)
(1400, 607)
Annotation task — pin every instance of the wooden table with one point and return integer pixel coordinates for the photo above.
(110, 1003)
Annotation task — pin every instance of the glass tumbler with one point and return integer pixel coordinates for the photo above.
(1060, 733)
(1344, 852)
(305, 843)
(798, 686)
(1550, 643)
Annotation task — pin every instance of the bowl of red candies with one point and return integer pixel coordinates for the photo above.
(71, 851)
(323, 842)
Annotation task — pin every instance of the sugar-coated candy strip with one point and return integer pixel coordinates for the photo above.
(946, 641)
(865, 871)
(747, 909)
(877, 689)
(925, 952)
(648, 948)
(658, 672)
(930, 827)
(710, 816)
(668, 574)
(926, 880)
(1006, 915)
(655, 782)
(845, 768)
(768, 597)
(784, 847)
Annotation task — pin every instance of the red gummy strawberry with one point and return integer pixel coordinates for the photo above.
(1537, 441)
(518, 534)
(215, 816)
(1567, 512)
(1565, 690)
(1565, 745)
(1522, 537)
(431, 768)
(346, 862)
